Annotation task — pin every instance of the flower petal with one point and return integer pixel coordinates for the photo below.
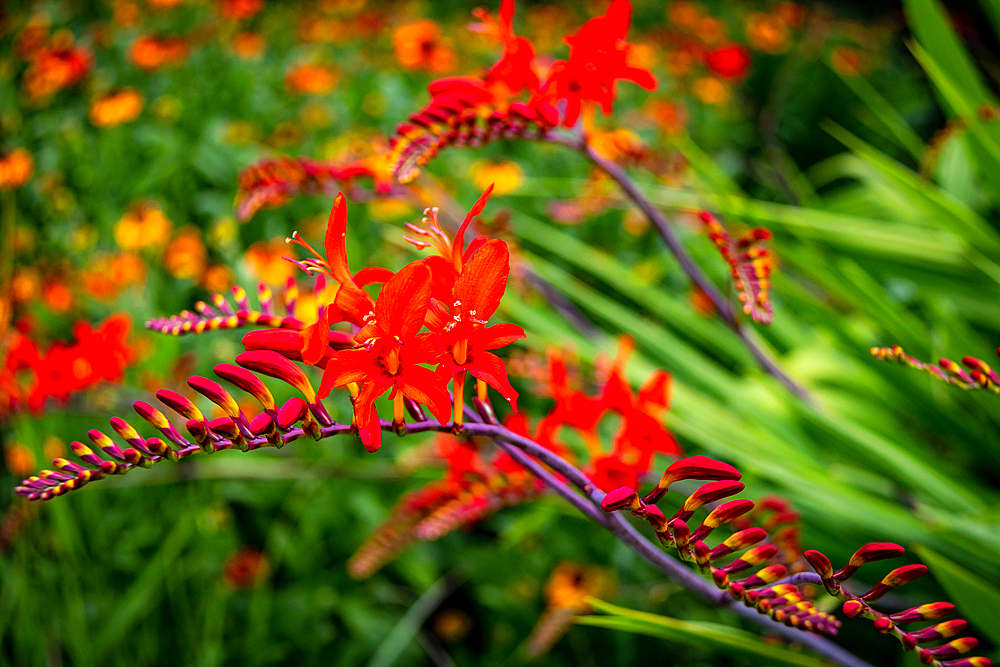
(344, 367)
(496, 336)
(365, 415)
(484, 280)
(489, 368)
(477, 208)
(402, 303)
(372, 275)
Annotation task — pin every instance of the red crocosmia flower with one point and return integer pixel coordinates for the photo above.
(610, 472)
(462, 328)
(598, 57)
(516, 67)
(730, 62)
(390, 358)
(352, 303)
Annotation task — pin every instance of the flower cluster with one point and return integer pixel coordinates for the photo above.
(54, 64)
(750, 263)
(475, 110)
(30, 376)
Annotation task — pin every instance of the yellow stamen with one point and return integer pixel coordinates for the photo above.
(398, 415)
(460, 351)
(458, 386)
(353, 388)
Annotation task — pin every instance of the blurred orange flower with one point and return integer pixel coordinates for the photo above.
(849, 61)
(125, 14)
(669, 116)
(245, 568)
(712, 90)
(111, 274)
(420, 45)
(217, 279)
(55, 66)
(240, 10)
(768, 33)
(311, 79)
(265, 260)
(683, 13)
(16, 168)
(248, 45)
(32, 37)
(152, 53)
(19, 459)
(185, 256)
(144, 225)
(116, 108)
(164, 4)
(57, 296)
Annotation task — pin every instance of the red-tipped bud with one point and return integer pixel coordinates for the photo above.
(728, 511)
(953, 648)
(869, 553)
(681, 533)
(820, 563)
(709, 493)
(762, 577)
(179, 404)
(940, 631)
(285, 342)
(68, 466)
(853, 607)
(752, 557)
(977, 661)
(655, 517)
(106, 443)
(261, 424)
(982, 367)
(124, 429)
(86, 454)
(702, 554)
(692, 467)
(896, 578)
(883, 625)
(216, 393)
(924, 612)
(160, 448)
(151, 414)
(246, 381)
(739, 541)
(274, 365)
(291, 412)
(620, 499)
(225, 427)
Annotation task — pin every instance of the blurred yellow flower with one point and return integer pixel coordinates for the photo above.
(217, 279)
(389, 209)
(265, 260)
(142, 226)
(121, 107)
(617, 144)
(24, 285)
(16, 168)
(185, 256)
(506, 176)
(53, 448)
(712, 90)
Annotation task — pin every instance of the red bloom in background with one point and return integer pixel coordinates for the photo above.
(598, 58)
(516, 67)
(391, 357)
(730, 62)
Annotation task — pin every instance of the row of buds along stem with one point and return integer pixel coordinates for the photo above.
(761, 589)
(221, 314)
(978, 376)
(944, 655)
(273, 427)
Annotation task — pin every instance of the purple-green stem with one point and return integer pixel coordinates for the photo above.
(724, 306)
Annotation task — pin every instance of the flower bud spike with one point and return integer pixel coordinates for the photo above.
(940, 631)
(248, 382)
(130, 435)
(70, 466)
(274, 365)
(870, 553)
(853, 608)
(752, 557)
(156, 418)
(977, 661)
(762, 577)
(708, 493)
(227, 428)
(199, 431)
(692, 467)
(161, 448)
(722, 514)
